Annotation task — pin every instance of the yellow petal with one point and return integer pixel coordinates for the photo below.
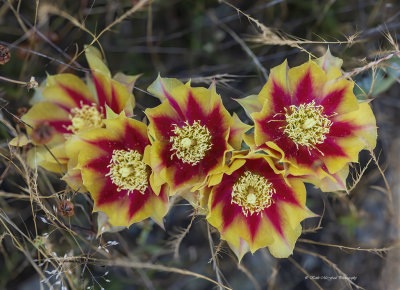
(55, 162)
(162, 86)
(95, 60)
(237, 132)
(330, 64)
(250, 104)
(19, 141)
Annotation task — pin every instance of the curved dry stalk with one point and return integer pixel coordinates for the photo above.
(304, 271)
(21, 196)
(358, 174)
(4, 219)
(268, 36)
(318, 227)
(128, 13)
(139, 265)
(214, 258)
(377, 251)
(178, 237)
(368, 66)
(388, 189)
(348, 282)
(242, 44)
(249, 275)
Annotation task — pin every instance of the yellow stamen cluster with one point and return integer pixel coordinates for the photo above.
(128, 171)
(191, 142)
(307, 125)
(85, 117)
(253, 193)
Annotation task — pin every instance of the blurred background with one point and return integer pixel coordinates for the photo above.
(354, 244)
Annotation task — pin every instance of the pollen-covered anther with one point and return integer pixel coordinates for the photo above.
(253, 193)
(128, 171)
(191, 142)
(87, 116)
(306, 124)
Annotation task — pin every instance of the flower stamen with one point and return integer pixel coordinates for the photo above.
(306, 124)
(128, 171)
(191, 142)
(253, 193)
(87, 116)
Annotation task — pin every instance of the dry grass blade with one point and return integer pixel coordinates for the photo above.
(162, 268)
(271, 37)
(128, 13)
(318, 227)
(388, 189)
(179, 236)
(242, 44)
(214, 258)
(298, 266)
(368, 66)
(356, 179)
(4, 221)
(233, 45)
(253, 280)
(377, 251)
(348, 282)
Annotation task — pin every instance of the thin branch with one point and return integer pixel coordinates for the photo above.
(377, 251)
(304, 271)
(330, 263)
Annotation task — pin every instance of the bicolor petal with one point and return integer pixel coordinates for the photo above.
(68, 91)
(113, 94)
(113, 168)
(190, 131)
(47, 116)
(96, 62)
(311, 119)
(70, 106)
(255, 203)
(162, 87)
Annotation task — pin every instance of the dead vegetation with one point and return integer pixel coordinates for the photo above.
(235, 44)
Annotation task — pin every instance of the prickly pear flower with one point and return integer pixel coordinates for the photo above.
(70, 106)
(253, 205)
(310, 119)
(192, 133)
(114, 164)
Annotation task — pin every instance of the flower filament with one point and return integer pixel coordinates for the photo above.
(191, 142)
(128, 171)
(87, 116)
(253, 193)
(306, 124)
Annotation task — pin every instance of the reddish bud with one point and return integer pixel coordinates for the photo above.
(21, 111)
(66, 208)
(4, 54)
(42, 133)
